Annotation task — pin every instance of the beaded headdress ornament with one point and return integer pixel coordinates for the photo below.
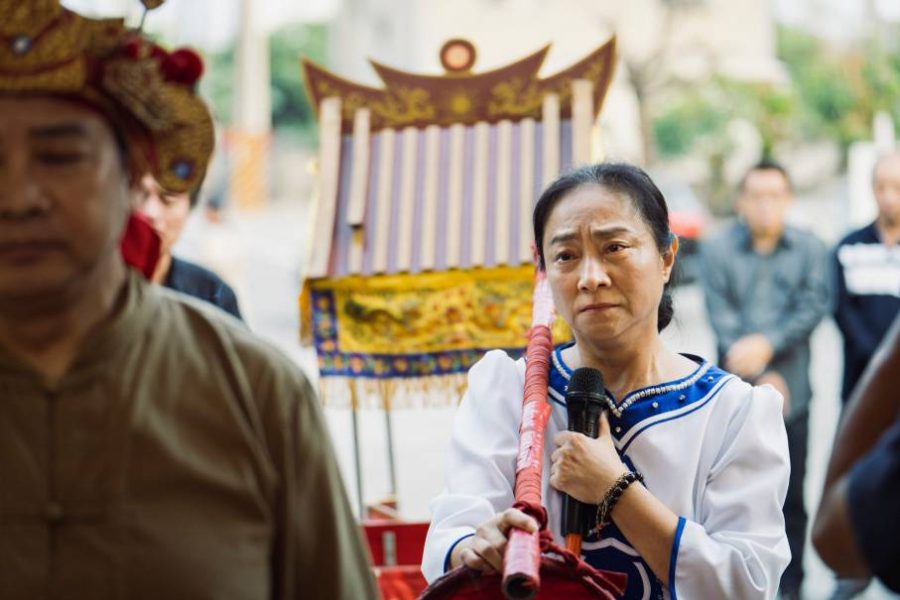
(147, 93)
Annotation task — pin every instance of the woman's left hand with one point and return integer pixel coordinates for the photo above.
(585, 468)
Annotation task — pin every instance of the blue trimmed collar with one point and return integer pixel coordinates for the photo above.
(666, 400)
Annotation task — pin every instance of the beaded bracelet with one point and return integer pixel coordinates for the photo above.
(612, 496)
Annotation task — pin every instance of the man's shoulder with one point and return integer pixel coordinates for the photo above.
(726, 238)
(185, 272)
(806, 239)
(863, 235)
(195, 280)
(207, 353)
(196, 325)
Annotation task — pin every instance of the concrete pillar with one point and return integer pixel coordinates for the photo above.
(250, 137)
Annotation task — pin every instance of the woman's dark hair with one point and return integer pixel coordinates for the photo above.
(626, 179)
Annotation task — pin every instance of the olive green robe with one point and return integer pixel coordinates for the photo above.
(180, 457)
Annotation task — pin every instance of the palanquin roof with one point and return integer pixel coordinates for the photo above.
(433, 173)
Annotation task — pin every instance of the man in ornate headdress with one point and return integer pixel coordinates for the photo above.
(150, 447)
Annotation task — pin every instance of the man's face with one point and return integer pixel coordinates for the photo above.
(764, 201)
(886, 185)
(63, 195)
(167, 211)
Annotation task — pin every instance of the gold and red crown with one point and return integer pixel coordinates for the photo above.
(147, 92)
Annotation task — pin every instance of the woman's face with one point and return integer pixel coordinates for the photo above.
(603, 265)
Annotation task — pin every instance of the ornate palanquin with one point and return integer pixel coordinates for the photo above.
(422, 245)
(421, 254)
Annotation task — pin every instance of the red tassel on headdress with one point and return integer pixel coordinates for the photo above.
(140, 245)
(182, 66)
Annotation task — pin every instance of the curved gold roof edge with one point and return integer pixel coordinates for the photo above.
(530, 64)
(512, 92)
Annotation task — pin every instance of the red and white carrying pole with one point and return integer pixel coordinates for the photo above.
(522, 562)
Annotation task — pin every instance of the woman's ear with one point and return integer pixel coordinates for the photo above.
(668, 258)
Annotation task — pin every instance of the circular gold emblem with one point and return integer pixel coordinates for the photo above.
(458, 55)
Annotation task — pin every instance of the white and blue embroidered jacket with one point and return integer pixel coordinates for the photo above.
(711, 447)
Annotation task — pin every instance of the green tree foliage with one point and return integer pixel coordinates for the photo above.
(840, 89)
(290, 104)
(833, 94)
(291, 112)
(829, 87)
(691, 117)
(773, 109)
(696, 118)
(217, 84)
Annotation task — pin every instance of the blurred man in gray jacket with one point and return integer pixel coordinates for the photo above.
(767, 287)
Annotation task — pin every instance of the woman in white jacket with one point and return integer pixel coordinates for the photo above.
(706, 522)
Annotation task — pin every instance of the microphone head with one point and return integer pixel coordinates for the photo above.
(586, 381)
(585, 396)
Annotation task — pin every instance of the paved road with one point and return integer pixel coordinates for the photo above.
(260, 253)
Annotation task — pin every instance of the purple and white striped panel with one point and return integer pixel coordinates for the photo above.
(385, 197)
(343, 233)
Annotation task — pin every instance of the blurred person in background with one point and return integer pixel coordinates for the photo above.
(150, 446)
(866, 266)
(857, 528)
(766, 286)
(168, 212)
(867, 275)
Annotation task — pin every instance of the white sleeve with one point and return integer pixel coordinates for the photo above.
(481, 461)
(737, 547)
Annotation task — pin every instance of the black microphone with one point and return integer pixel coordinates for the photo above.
(585, 401)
